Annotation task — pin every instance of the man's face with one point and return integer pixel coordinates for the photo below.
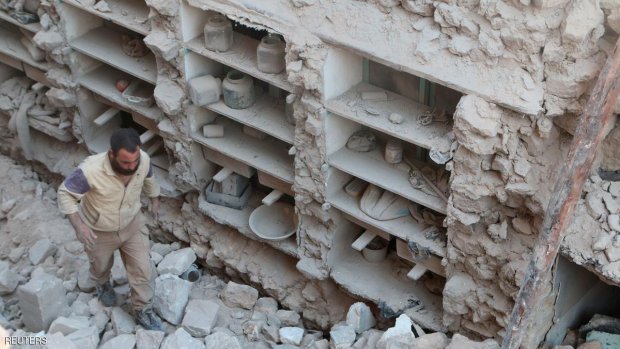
(124, 162)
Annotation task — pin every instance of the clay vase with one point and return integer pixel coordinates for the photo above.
(218, 33)
(238, 90)
(270, 54)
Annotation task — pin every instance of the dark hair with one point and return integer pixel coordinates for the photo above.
(125, 138)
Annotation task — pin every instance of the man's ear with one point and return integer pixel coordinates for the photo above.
(110, 153)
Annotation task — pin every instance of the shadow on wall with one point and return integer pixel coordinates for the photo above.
(581, 295)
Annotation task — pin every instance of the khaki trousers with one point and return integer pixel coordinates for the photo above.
(133, 243)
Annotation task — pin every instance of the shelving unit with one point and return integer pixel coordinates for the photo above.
(131, 14)
(11, 47)
(382, 282)
(239, 220)
(104, 44)
(32, 27)
(268, 155)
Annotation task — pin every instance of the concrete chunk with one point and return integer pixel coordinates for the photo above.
(121, 321)
(41, 300)
(171, 296)
(68, 325)
(204, 90)
(123, 341)
(360, 317)
(8, 279)
(86, 338)
(237, 295)
(435, 340)
(200, 317)
(288, 317)
(182, 339)
(342, 336)
(266, 305)
(400, 334)
(222, 340)
(291, 335)
(177, 262)
(41, 250)
(462, 342)
(59, 341)
(146, 339)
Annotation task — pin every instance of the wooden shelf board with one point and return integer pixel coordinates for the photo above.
(239, 220)
(12, 47)
(351, 106)
(371, 167)
(104, 44)
(102, 81)
(387, 282)
(132, 15)
(266, 155)
(264, 115)
(242, 57)
(405, 228)
(32, 27)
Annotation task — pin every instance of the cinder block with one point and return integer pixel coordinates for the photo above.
(236, 202)
(233, 185)
(41, 300)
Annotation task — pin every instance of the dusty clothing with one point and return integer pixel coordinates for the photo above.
(133, 244)
(105, 204)
(112, 211)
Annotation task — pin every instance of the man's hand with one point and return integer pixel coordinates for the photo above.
(154, 207)
(83, 233)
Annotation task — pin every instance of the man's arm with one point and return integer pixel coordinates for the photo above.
(69, 193)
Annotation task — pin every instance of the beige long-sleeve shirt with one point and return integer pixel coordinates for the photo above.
(99, 195)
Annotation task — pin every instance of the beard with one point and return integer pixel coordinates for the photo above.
(118, 169)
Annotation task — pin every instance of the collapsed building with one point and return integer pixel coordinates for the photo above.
(398, 152)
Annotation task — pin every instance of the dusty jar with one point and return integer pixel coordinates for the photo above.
(238, 90)
(393, 151)
(218, 33)
(270, 54)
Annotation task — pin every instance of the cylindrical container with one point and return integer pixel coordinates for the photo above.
(192, 274)
(288, 108)
(393, 151)
(376, 250)
(218, 33)
(213, 131)
(270, 54)
(238, 90)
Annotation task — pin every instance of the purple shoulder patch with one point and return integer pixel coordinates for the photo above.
(76, 182)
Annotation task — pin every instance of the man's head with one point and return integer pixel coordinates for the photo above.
(124, 153)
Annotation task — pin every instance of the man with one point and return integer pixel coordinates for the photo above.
(102, 201)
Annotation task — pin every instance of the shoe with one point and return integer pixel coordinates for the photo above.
(147, 319)
(106, 294)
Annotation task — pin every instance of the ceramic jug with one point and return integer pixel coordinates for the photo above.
(238, 90)
(270, 54)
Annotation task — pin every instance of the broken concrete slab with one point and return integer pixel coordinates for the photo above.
(177, 262)
(146, 339)
(169, 96)
(288, 317)
(8, 279)
(122, 322)
(66, 325)
(462, 342)
(291, 335)
(41, 250)
(266, 305)
(342, 336)
(237, 295)
(41, 300)
(171, 297)
(222, 340)
(200, 317)
(360, 317)
(181, 339)
(435, 340)
(123, 341)
(86, 338)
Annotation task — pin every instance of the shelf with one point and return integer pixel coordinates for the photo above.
(102, 81)
(32, 27)
(12, 47)
(132, 15)
(405, 228)
(268, 155)
(372, 168)
(241, 56)
(351, 106)
(239, 220)
(264, 115)
(104, 44)
(51, 130)
(387, 282)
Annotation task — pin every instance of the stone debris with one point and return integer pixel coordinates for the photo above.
(200, 317)
(342, 336)
(67, 326)
(41, 300)
(237, 295)
(177, 262)
(41, 250)
(123, 341)
(291, 335)
(181, 339)
(146, 339)
(462, 342)
(122, 322)
(8, 279)
(171, 297)
(222, 340)
(400, 334)
(360, 317)
(86, 338)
